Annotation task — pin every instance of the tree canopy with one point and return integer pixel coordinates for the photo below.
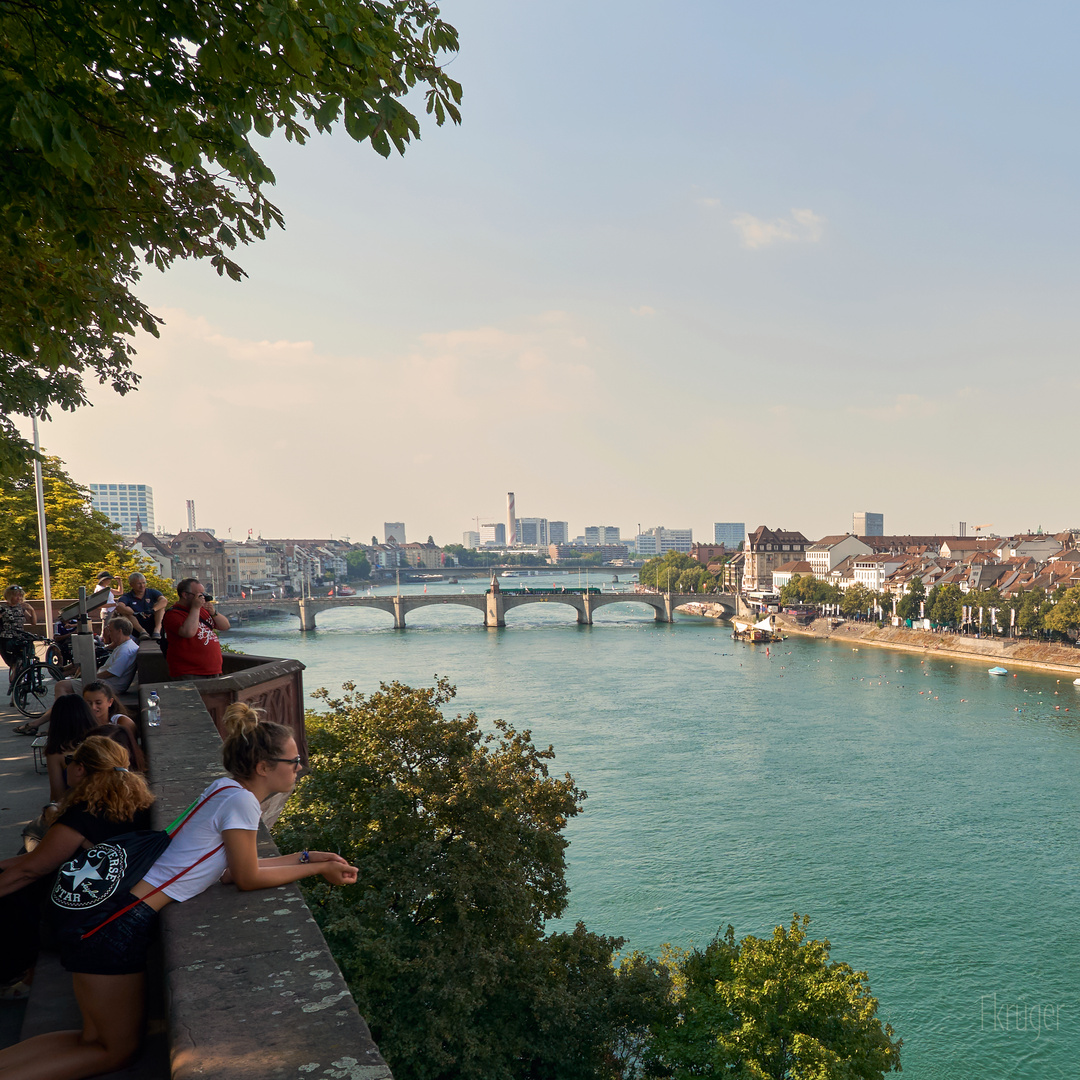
(82, 541)
(458, 836)
(772, 1008)
(676, 572)
(126, 133)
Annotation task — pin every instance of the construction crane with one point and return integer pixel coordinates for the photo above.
(979, 528)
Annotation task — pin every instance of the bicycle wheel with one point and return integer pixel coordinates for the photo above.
(54, 661)
(31, 694)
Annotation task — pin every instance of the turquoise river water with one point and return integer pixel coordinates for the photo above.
(926, 816)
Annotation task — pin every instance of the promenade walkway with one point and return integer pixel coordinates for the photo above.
(22, 794)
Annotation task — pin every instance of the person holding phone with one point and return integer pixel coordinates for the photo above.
(191, 629)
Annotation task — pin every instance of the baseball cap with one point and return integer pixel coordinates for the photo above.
(105, 576)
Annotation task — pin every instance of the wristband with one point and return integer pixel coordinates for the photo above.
(304, 856)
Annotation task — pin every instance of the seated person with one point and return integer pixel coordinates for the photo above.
(108, 710)
(119, 669)
(105, 800)
(113, 677)
(71, 722)
(142, 605)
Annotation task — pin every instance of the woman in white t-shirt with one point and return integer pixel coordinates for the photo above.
(108, 967)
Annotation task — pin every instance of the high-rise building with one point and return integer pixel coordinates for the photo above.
(660, 540)
(470, 539)
(131, 506)
(866, 524)
(511, 519)
(394, 530)
(558, 532)
(532, 532)
(493, 532)
(732, 534)
(602, 534)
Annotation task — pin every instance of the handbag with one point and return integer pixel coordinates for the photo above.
(87, 883)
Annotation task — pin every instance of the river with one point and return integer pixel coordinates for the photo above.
(926, 816)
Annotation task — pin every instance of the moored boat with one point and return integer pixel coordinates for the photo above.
(997, 671)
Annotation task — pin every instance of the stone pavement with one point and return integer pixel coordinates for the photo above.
(22, 795)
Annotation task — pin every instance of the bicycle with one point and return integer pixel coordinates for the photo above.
(30, 693)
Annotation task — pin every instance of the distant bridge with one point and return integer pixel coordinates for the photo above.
(493, 605)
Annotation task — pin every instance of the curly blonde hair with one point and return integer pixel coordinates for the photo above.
(109, 789)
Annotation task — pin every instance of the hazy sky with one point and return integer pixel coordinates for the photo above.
(681, 263)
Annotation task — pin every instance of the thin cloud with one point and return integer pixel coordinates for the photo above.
(803, 227)
(644, 310)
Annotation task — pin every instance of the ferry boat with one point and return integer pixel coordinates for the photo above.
(997, 671)
(762, 631)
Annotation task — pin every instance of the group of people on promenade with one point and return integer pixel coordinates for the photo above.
(99, 799)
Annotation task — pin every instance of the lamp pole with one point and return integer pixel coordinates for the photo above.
(43, 539)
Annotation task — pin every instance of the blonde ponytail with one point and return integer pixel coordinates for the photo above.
(249, 739)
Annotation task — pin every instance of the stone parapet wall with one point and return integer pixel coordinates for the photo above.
(252, 990)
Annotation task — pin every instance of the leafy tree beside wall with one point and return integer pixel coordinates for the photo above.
(82, 541)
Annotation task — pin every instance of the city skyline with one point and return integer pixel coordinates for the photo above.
(845, 231)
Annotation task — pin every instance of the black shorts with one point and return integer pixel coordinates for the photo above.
(117, 949)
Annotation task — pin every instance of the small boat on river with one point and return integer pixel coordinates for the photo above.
(997, 671)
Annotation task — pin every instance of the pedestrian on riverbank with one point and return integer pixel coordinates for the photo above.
(15, 613)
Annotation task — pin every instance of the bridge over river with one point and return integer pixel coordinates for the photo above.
(493, 605)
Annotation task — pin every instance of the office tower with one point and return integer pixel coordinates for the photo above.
(732, 534)
(963, 529)
(191, 515)
(394, 532)
(558, 532)
(130, 506)
(866, 524)
(592, 535)
(532, 532)
(493, 532)
(470, 539)
(511, 520)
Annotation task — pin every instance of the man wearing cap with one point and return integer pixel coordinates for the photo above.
(142, 605)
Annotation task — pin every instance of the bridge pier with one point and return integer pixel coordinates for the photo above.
(307, 618)
(494, 611)
(399, 613)
(584, 613)
(667, 612)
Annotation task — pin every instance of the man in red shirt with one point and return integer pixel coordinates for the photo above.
(190, 627)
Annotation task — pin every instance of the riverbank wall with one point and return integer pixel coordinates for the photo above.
(1012, 652)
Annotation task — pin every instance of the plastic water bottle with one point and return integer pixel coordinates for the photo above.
(153, 710)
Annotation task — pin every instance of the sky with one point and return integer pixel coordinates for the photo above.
(681, 263)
